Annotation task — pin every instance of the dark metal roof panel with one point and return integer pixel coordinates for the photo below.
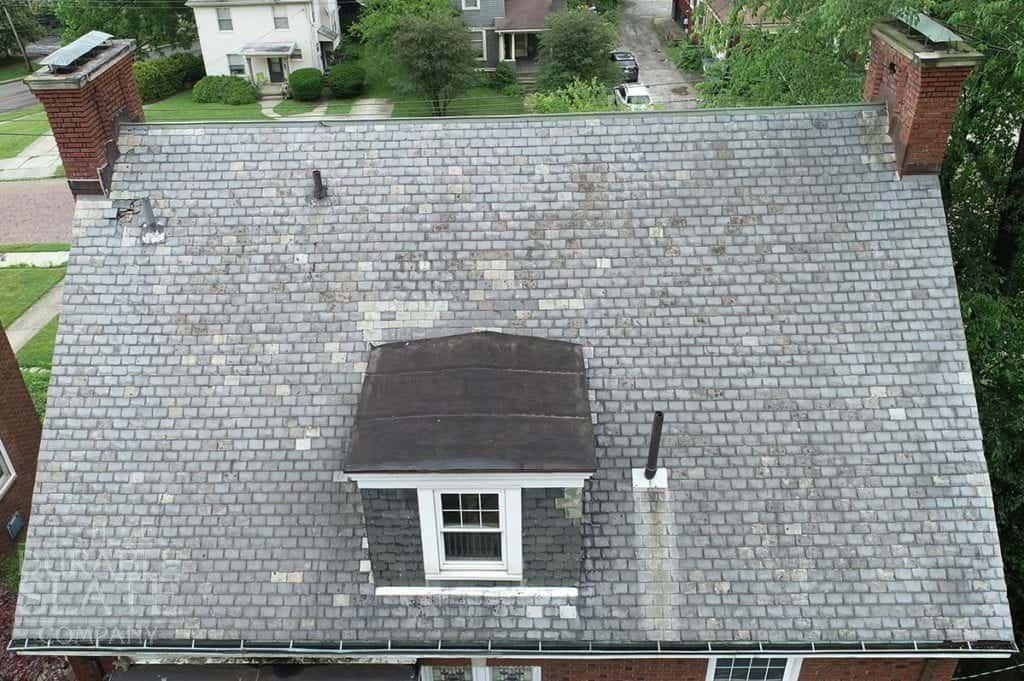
(481, 402)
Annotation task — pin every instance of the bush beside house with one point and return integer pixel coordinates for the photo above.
(346, 79)
(164, 76)
(306, 85)
(224, 90)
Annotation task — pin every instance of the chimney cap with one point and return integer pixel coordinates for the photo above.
(72, 52)
(927, 42)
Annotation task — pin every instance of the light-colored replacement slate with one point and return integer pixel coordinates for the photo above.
(762, 276)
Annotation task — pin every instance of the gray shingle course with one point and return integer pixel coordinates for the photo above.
(761, 276)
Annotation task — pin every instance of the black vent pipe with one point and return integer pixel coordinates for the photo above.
(652, 454)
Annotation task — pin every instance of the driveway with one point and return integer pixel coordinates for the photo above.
(15, 95)
(35, 211)
(671, 89)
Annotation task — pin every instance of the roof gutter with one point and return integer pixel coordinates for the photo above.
(512, 650)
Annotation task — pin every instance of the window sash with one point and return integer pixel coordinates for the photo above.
(438, 565)
(753, 668)
(280, 18)
(224, 19)
(470, 4)
(479, 39)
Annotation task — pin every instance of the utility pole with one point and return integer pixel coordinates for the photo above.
(17, 38)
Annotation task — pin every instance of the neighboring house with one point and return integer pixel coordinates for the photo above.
(406, 421)
(19, 448)
(700, 15)
(508, 31)
(265, 40)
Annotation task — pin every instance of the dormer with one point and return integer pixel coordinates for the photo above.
(470, 453)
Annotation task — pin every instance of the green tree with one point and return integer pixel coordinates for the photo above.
(576, 97)
(436, 57)
(377, 29)
(575, 46)
(26, 21)
(151, 24)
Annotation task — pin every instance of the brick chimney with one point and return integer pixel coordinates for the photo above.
(87, 89)
(917, 68)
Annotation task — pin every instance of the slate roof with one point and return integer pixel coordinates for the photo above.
(478, 402)
(761, 276)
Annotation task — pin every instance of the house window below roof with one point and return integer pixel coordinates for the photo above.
(753, 669)
(480, 673)
(236, 65)
(470, 4)
(478, 38)
(280, 17)
(7, 474)
(224, 22)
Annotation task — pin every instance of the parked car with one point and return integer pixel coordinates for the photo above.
(627, 63)
(633, 97)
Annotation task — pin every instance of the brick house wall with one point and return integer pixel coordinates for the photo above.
(695, 669)
(20, 431)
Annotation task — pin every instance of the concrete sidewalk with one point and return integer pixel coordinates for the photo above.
(35, 210)
(36, 317)
(38, 160)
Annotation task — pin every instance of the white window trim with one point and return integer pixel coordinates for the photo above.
(479, 673)
(231, 19)
(468, 4)
(792, 672)
(11, 474)
(274, 17)
(435, 567)
(483, 42)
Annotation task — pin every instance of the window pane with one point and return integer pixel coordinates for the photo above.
(489, 502)
(471, 519)
(449, 502)
(452, 519)
(750, 669)
(470, 501)
(472, 545)
(490, 519)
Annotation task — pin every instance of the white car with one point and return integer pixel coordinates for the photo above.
(634, 97)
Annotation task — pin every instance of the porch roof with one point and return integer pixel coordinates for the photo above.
(521, 15)
(267, 49)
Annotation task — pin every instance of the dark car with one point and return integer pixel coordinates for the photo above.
(626, 61)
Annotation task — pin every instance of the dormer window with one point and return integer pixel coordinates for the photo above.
(471, 534)
(470, 453)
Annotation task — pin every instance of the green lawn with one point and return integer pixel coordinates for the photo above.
(290, 107)
(180, 107)
(478, 101)
(339, 107)
(41, 247)
(38, 352)
(22, 286)
(13, 67)
(10, 568)
(29, 123)
(38, 382)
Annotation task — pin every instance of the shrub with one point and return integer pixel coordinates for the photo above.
(688, 56)
(346, 79)
(576, 97)
(162, 77)
(575, 46)
(503, 79)
(224, 90)
(306, 85)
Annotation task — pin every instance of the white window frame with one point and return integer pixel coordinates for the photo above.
(437, 567)
(8, 474)
(470, 4)
(792, 672)
(283, 15)
(478, 672)
(230, 65)
(220, 19)
(483, 42)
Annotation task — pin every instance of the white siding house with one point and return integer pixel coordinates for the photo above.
(265, 40)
